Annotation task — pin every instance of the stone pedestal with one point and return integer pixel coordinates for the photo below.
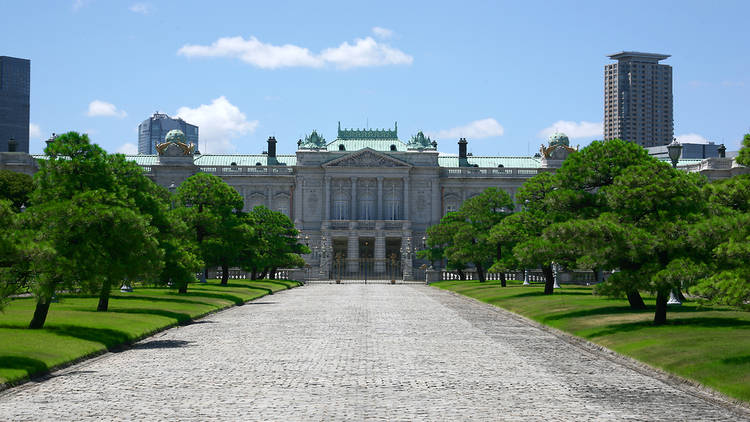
(432, 275)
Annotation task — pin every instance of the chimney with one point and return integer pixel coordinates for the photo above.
(272, 147)
(462, 148)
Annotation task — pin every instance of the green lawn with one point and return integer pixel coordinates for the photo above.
(74, 329)
(710, 345)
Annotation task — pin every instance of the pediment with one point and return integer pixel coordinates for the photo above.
(366, 158)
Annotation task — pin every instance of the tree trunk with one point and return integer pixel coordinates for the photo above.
(40, 313)
(480, 273)
(272, 274)
(254, 274)
(183, 287)
(680, 295)
(635, 300)
(502, 279)
(104, 296)
(224, 273)
(660, 317)
(549, 279)
(461, 275)
(263, 274)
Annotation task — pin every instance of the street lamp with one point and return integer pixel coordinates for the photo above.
(172, 189)
(675, 150)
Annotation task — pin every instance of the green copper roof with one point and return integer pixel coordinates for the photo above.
(352, 134)
(242, 159)
(512, 162)
(357, 144)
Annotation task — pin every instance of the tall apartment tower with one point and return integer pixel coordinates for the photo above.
(15, 85)
(153, 130)
(638, 99)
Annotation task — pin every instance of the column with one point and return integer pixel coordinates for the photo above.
(380, 199)
(327, 198)
(268, 197)
(436, 207)
(352, 252)
(379, 252)
(353, 211)
(297, 201)
(406, 197)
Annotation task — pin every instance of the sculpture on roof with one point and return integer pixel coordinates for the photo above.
(313, 141)
(557, 149)
(419, 141)
(175, 145)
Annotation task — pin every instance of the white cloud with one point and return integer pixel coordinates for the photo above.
(142, 8)
(691, 138)
(128, 148)
(382, 33)
(103, 108)
(35, 131)
(574, 130)
(363, 53)
(477, 129)
(218, 123)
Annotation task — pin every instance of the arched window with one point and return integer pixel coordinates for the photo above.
(342, 147)
(451, 204)
(393, 147)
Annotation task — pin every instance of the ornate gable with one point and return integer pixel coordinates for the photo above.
(366, 158)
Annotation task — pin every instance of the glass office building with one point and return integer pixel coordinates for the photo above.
(14, 104)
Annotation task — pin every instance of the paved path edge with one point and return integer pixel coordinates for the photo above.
(91, 357)
(685, 384)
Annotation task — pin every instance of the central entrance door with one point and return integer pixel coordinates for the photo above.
(364, 267)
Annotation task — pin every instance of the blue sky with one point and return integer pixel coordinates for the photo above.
(502, 74)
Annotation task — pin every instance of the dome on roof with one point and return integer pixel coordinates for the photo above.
(558, 138)
(175, 136)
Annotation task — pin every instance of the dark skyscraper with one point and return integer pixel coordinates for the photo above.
(153, 130)
(14, 103)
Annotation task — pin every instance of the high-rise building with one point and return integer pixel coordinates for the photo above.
(15, 82)
(153, 130)
(638, 99)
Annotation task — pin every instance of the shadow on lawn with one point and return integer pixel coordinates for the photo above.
(234, 299)
(541, 293)
(737, 360)
(155, 299)
(624, 309)
(680, 322)
(177, 316)
(108, 337)
(31, 366)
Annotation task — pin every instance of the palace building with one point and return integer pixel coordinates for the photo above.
(363, 201)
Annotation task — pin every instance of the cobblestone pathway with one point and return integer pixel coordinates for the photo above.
(354, 352)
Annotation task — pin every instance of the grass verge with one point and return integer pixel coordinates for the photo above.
(710, 345)
(74, 330)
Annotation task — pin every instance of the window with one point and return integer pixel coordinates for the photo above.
(392, 202)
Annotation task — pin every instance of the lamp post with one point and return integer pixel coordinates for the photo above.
(675, 150)
(172, 189)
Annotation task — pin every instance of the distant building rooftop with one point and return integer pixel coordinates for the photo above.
(636, 54)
